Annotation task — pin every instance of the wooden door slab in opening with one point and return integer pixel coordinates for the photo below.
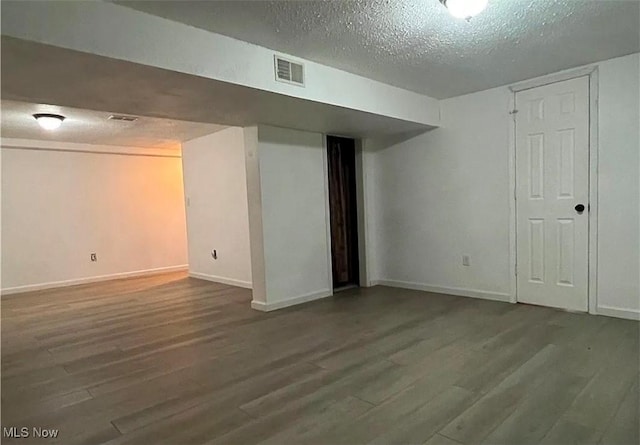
(343, 211)
(552, 194)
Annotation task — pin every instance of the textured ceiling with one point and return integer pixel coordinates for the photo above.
(94, 127)
(416, 44)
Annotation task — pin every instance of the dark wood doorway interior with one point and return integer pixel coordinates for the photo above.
(341, 155)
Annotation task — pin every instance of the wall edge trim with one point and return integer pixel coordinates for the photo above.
(609, 311)
(268, 307)
(457, 291)
(93, 279)
(222, 280)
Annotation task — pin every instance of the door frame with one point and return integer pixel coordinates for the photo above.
(592, 259)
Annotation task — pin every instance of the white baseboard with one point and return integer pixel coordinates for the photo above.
(95, 279)
(629, 314)
(223, 280)
(473, 293)
(267, 307)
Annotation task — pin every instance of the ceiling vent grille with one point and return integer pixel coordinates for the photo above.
(122, 118)
(288, 71)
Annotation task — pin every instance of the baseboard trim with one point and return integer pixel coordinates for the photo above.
(629, 314)
(222, 280)
(88, 280)
(461, 292)
(268, 307)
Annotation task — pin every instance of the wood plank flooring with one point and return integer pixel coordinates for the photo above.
(174, 360)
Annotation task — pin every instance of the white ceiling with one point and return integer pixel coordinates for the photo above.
(94, 127)
(416, 44)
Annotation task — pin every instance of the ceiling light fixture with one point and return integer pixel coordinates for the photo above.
(464, 9)
(49, 121)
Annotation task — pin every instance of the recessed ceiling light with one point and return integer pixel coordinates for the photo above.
(49, 121)
(465, 9)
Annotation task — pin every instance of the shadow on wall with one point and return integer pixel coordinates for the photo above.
(383, 142)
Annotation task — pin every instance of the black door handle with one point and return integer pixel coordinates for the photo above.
(579, 208)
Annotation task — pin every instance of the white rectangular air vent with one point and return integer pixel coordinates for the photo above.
(123, 118)
(288, 71)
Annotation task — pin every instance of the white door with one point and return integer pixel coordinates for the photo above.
(552, 182)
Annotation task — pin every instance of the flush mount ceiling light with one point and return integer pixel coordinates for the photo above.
(464, 9)
(49, 121)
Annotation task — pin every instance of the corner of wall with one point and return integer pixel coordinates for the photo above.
(254, 202)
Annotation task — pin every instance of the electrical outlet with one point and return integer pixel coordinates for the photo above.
(466, 260)
(214, 254)
(94, 257)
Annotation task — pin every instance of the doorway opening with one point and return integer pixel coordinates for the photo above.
(343, 213)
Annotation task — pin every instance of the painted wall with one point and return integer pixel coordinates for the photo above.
(60, 206)
(446, 193)
(293, 214)
(618, 186)
(254, 203)
(216, 195)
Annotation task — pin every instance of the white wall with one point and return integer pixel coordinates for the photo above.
(618, 186)
(254, 202)
(60, 206)
(293, 214)
(446, 193)
(216, 193)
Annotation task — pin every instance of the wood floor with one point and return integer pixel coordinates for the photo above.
(175, 360)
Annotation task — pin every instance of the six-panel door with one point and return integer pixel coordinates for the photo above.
(552, 180)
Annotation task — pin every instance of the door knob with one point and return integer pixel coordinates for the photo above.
(579, 208)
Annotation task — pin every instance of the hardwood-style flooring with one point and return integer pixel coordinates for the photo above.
(175, 360)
